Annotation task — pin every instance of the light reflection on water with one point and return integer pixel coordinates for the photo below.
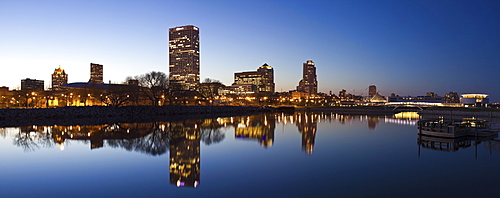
(338, 148)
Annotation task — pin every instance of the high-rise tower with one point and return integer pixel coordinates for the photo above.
(308, 84)
(372, 90)
(59, 77)
(184, 57)
(96, 73)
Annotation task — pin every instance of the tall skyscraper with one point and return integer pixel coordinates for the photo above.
(372, 90)
(59, 77)
(308, 84)
(263, 78)
(184, 58)
(96, 73)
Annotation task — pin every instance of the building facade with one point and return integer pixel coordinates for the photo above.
(59, 77)
(372, 90)
(96, 73)
(308, 83)
(263, 78)
(451, 97)
(184, 58)
(32, 85)
(474, 100)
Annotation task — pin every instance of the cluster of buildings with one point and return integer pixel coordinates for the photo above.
(249, 87)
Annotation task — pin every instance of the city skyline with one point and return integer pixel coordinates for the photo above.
(402, 47)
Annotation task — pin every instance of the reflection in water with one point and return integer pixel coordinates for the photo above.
(183, 138)
(258, 127)
(404, 118)
(185, 154)
(454, 144)
(307, 123)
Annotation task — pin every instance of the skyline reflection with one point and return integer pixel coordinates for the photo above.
(182, 139)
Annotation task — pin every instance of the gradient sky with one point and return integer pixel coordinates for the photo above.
(403, 47)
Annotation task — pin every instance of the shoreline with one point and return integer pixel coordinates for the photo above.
(94, 115)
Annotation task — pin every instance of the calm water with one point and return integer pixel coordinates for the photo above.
(269, 155)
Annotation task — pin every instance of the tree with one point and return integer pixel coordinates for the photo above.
(114, 95)
(210, 88)
(154, 84)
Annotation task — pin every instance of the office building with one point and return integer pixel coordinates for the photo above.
(184, 58)
(308, 83)
(59, 77)
(372, 90)
(32, 85)
(96, 73)
(263, 78)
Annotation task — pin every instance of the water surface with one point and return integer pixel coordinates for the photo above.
(267, 155)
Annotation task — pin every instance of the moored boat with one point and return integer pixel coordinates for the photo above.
(456, 129)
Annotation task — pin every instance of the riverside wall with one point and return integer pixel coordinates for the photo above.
(349, 110)
(103, 114)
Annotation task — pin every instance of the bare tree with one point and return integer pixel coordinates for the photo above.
(114, 95)
(210, 88)
(154, 84)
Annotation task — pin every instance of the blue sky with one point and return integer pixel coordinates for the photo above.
(403, 47)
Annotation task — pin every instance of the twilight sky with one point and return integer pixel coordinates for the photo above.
(403, 47)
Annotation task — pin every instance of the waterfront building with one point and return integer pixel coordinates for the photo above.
(184, 58)
(451, 97)
(239, 89)
(372, 91)
(377, 98)
(263, 78)
(96, 73)
(32, 85)
(412, 100)
(474, 100)
(431, 94)
(308, 83)
(59, 77)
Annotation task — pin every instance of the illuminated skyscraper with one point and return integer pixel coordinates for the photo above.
(308, 83)
(184, 58)
(263, 78)
(96, 73)
(59, 77)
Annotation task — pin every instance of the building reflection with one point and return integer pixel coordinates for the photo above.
(256, 127)
(307, 123)
(183, 138)
(185, 154)
(372, 122)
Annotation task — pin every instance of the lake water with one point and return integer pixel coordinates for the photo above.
(267, 155)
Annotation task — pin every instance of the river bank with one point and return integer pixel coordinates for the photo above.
(351, 110)
(469, 112)
(105, 114)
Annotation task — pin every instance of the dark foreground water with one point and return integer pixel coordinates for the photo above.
(269, 155)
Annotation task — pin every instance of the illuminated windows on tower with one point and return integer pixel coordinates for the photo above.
(59, 77)
(96, 73)
(308, 84)
(184, 58)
